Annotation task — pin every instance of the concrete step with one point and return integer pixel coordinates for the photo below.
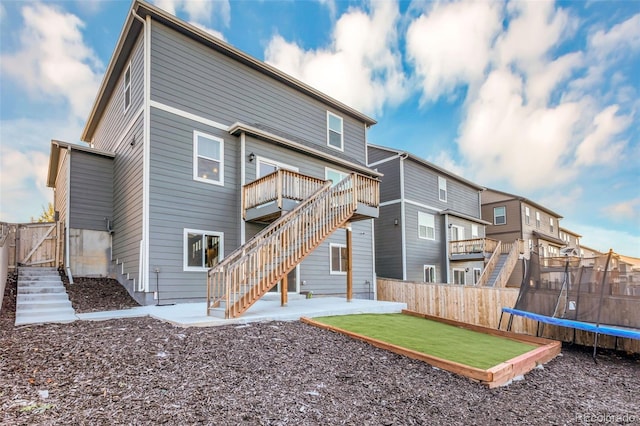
(35, 297)
(30, 278)
(45, 304)
(65, 316)
(40, 290)
(32, 284)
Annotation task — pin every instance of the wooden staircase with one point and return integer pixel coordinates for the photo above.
(253, 269)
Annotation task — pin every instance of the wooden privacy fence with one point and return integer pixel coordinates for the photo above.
(482, 306)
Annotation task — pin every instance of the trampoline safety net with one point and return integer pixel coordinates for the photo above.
(597, 290)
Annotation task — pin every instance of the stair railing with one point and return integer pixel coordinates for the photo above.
(490, 266)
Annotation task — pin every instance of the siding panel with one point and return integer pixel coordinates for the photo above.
(389, 242)
(91, 191)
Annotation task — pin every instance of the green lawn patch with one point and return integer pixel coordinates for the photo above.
(433, 338)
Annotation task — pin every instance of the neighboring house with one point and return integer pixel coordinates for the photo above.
(516, 218)
(195, 147)
(429, 227)
(571, 239)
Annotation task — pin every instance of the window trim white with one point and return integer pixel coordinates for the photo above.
(126, 87)
(326, 174)
(459, 230)
(279, 164)
(341, 148)
(551, 225)
(425, 214)
(331, 246)
(479, 271)
(496, 216)
(538, 220)
(442, 186)
(475, 227)
(196, 134)
(185, 243)
(464, 274)
(527, 215)
(424, 273)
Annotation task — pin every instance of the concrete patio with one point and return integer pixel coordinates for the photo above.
(266, 309)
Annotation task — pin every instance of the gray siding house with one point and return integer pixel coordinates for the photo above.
(513, 217)
(429, 228)
(182, 124)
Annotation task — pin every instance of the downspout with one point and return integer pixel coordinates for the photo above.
(242, 182)
(447, 235)
(67, 222)
(402, 216)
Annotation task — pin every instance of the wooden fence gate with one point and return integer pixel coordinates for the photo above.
(36, 244)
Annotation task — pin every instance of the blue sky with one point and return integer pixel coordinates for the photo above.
(540, 99)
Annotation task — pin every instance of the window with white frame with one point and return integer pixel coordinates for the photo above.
(426, 226)
(126, 87)
(429, 274)
(551, 227)
(476, 275)
(335, 176)
(527, 215)
(457, 233)
(442, 189)
(459, 276)
(475, 231)
(202, 249)
(538, 219)
(499, 215)
(208, 158)
(337, 259)
(334, 131)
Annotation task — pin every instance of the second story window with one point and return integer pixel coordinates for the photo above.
(538, 220)
(127, 88)
(474, 231)
(499, 215)
(551, 225)
(527, 215)
(208, 158)
(426, 226)
(442, 189)
(334, 131)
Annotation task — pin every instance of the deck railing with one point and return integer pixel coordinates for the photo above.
(474, 245)
(279, 185)
(515, 248)
(254, 268)
(490, 266)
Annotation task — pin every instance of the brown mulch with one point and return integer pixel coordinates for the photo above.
(143, 371)
(97, 294)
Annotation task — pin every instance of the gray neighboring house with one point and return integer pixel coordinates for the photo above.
(430, 227)
(181, 124)
(513, 217)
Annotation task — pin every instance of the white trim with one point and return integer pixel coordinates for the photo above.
(144, 278)
(374, 283)
(67, 220)
(425, 206)
(341, 148)
(495, 216)
(384, 160)
(402, 221)
(460, 231)
(125, 87)
(243, 170)
(477, 234)
(474, 275)
(279, 165)
(442, 185)
(185, 242)
(435, 273)
(331, 246)
(388, 203)
(342, 174)
(464, 274)
(188, 115)
(196, 135)
(427, 216)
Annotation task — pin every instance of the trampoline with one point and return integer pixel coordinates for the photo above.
(599, 295)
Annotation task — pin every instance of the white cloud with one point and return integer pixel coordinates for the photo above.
(446, 161)
(450, 46)
(3, 12)
(362, 67)
(53, 60)
(199, 10)
(603, 239)
(619, 39)
(600, 147)
(624, 211)
(331, 5)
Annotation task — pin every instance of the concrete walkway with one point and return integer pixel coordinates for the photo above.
(42, 297)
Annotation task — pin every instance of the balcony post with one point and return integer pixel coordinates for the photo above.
(349, 263)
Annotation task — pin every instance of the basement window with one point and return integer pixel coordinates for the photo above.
(429, 274)
(202, 249)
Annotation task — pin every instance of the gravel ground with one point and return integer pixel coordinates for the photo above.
(143, 371)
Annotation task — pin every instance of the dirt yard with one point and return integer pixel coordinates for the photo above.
(143, 371)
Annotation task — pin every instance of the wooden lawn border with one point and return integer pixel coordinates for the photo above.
(492, 377)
